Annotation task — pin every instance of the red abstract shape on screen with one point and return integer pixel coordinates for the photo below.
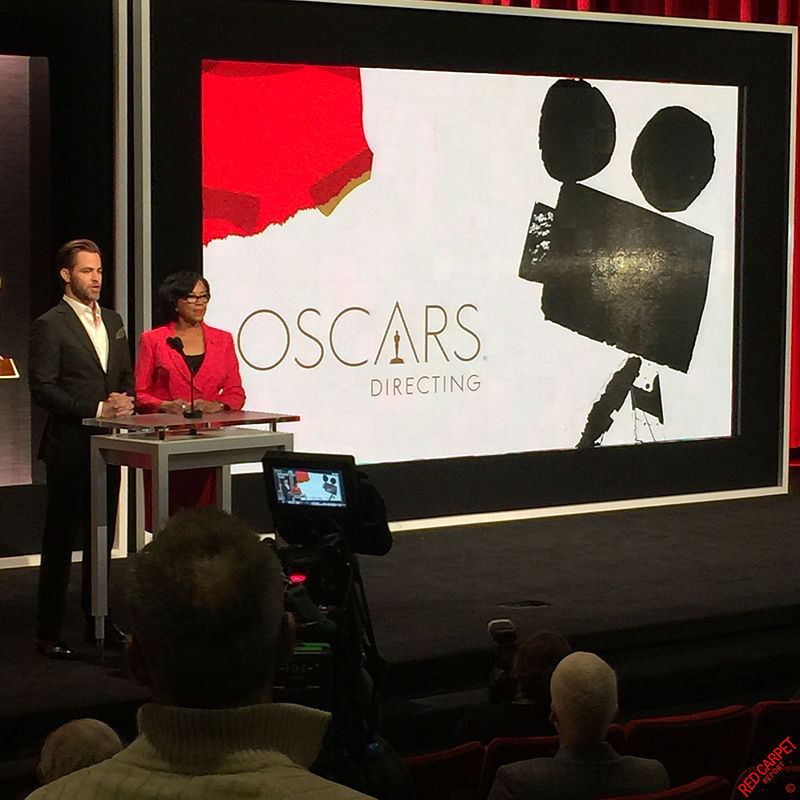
(278, 139)
(301, 476)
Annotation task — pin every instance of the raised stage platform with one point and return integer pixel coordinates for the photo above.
(695, 606)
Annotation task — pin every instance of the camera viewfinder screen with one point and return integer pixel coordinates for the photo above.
(309, 487)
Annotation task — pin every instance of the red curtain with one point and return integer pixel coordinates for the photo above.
(783, 12)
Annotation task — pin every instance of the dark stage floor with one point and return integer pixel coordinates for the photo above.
(694, 605)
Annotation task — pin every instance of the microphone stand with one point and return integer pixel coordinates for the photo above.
(176, 343)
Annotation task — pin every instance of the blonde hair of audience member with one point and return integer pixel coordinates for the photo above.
(75, 745)
(583, 689)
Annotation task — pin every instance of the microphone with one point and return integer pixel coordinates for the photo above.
(176, 343)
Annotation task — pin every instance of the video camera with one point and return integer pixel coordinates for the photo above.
(325, 511)
(312, 495)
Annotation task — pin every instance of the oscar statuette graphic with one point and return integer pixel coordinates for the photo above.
(397, 359)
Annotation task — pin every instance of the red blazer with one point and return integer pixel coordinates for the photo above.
(161, 372)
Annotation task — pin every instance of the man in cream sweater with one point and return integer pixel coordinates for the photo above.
(209, 631)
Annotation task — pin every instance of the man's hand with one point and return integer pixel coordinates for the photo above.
(117, 405)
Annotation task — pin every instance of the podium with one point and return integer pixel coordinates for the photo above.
(166, 442)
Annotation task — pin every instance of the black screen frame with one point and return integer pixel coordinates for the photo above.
(758, 59)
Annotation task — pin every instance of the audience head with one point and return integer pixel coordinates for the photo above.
(175, 287)
(534, 662)
(584, 698)
(206, 600)
(75, 745)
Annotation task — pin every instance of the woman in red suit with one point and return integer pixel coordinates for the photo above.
(169, 356)
(163, 372)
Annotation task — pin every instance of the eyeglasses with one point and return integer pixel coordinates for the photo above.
(197, 298)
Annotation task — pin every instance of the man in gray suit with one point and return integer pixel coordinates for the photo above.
(79, 366)
(583, 689)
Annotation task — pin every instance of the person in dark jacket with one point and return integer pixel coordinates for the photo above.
(79, 367)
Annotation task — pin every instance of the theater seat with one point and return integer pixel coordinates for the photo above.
(709, 787)
(692, 745)
(615, 736)
(437, 775)
(773, 721)
(507, 749)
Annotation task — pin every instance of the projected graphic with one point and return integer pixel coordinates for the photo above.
(300, 145)
(366, 232)
(611, 270)
(298, 487)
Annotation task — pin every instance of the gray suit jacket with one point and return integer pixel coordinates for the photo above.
(579, 773)
(67, 379)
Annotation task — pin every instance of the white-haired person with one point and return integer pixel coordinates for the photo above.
(583, 690)
(209, 631)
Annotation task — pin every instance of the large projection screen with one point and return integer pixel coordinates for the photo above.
(506, 258)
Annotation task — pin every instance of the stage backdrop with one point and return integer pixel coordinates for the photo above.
(23, 93)
(57, 170)
(495, 254)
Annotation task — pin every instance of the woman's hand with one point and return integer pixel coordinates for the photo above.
(208, 406)
(177, 406)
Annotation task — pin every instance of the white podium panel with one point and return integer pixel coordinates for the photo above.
(163, 443)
